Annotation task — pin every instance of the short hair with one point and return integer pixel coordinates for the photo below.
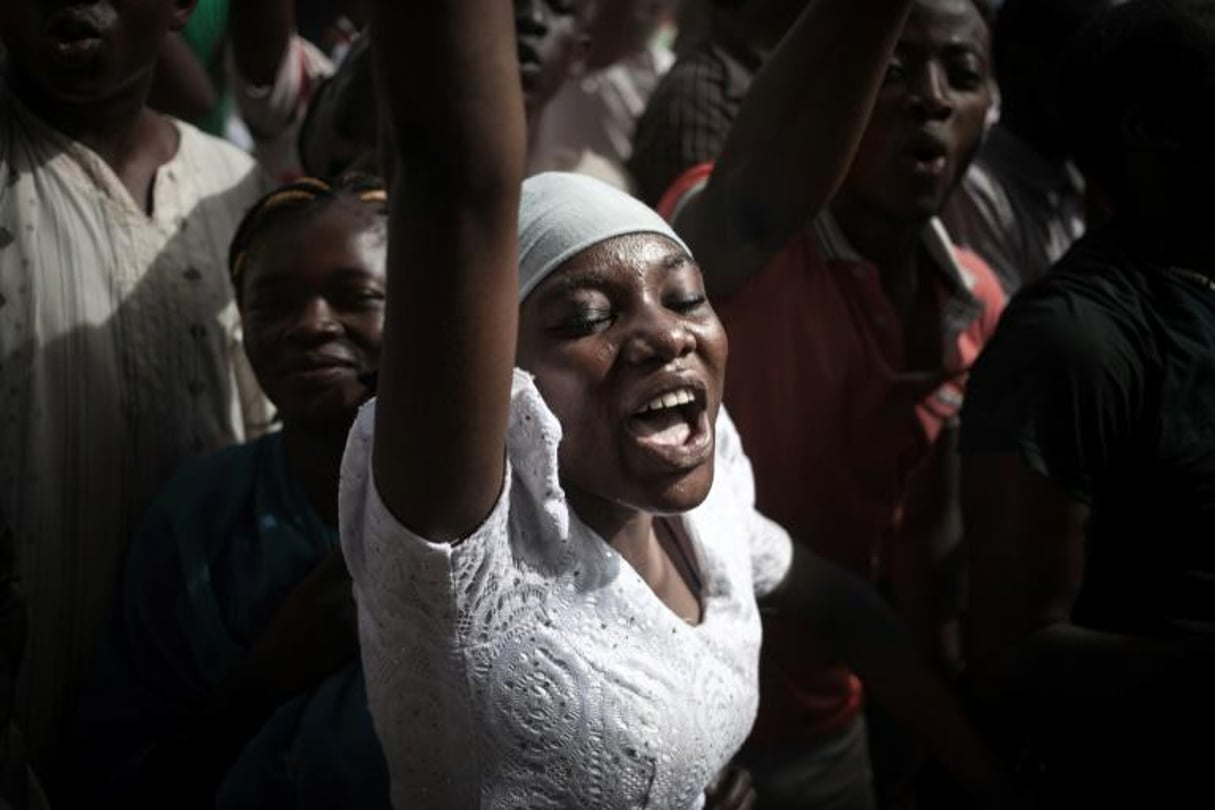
(295, 201)
(1153, 55)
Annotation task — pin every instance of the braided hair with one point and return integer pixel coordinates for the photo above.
(295, 201)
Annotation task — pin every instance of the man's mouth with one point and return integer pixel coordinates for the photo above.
(928, 156)
(77, 32)
(317, 368)
(531, 74)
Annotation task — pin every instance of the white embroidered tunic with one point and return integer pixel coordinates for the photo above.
(530, 666)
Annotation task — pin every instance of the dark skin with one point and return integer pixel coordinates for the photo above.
(614, 326)
(923, 84)
(789, 150)
(312, 304)
(620, 29)
(552, 40)
(312, 309)
(925, 127)
(260, 32)
(620, 323)
(182, 87)
(88, 72)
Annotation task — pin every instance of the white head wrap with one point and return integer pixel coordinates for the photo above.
(563, 214)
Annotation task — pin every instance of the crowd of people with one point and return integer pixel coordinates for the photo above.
(607, 403)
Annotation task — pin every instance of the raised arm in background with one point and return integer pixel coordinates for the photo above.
(794, 139)
(449, 80)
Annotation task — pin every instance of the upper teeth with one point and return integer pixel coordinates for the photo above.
(672, 399)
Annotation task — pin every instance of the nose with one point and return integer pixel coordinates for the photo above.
(928, 96)
(314, 323)
(658, 335)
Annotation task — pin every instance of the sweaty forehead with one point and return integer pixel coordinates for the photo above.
(947, 21)
(620, 260)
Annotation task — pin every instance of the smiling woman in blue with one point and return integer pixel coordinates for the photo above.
(230, 677)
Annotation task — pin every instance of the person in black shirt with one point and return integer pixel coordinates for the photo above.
(1088, 441)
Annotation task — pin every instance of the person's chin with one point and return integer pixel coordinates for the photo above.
(324, 410)
(679, 493)
(918, 208)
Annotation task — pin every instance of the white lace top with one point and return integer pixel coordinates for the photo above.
(530, 666)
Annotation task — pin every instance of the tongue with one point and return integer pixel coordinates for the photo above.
(667, 426)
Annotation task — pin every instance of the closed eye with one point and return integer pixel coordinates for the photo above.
(686, 306)
(582, 324)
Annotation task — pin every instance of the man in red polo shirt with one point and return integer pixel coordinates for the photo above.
(852, 327)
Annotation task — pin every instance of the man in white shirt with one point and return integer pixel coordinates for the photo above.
(119, 353)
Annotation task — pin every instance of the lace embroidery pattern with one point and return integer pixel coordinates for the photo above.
(530, 666)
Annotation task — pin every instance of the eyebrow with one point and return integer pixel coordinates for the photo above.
(961, 44)
(964, 47)
(596, 278)
(284, 277)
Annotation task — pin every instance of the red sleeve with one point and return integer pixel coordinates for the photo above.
(685, 187)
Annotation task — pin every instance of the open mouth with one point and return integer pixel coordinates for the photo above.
(531, 68)
(672, 429)
(928, 157)
(78, 31)
(668, 419)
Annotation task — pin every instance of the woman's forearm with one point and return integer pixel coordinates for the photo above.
(449, 79)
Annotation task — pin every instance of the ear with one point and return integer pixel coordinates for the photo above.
(997, 100)
(182, 9)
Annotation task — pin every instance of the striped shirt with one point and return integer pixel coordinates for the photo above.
(689, 115)
(118, 361)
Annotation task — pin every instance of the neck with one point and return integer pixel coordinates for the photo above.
(629, 531)
(890, 244)
(314, 458)
(116, 128)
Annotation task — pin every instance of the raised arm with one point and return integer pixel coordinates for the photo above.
(794, 139)
(449, 82)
